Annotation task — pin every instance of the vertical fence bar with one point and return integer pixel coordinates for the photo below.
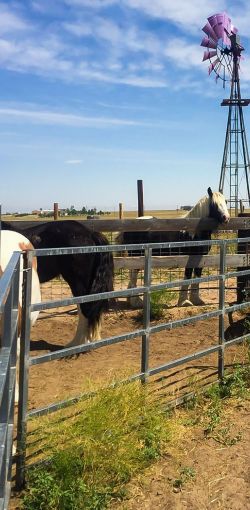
(24, 372)
(14, 340)
(146, 313)
(222, 309)
(9, 343)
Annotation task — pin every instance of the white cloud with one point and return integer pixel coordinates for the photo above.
(94, 4)
(73, 161)
(82, 47)
(182, 12)
(32, 116)
(10, 22)
(183, 54)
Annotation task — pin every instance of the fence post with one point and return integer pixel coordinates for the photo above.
(55, 211)
(24, 371)
(146, 313)
(140, 198)
(120, 211)
(222, 310)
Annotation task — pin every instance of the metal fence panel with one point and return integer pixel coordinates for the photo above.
(10, 317)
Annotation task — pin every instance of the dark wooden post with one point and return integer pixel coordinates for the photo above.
(243, 282)
(55, 210)
(241, 207)
(140, 198)
(120, 211)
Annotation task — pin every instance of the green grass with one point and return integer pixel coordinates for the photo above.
(159, 300)
(209, 409)
(112, 437)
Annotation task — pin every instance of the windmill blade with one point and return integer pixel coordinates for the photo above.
(209, 54)
(221, 46)
(208, 43)
(218, 28)
(213, 65)
(221, 25)
(210, 32)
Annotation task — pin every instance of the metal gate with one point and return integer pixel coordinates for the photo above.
(144, 333)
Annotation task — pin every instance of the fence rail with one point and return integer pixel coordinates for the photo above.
(173, 224)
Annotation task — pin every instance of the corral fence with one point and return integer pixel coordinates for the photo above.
(9, 311)
(9, 298)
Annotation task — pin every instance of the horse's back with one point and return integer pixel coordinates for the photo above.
(14, 241)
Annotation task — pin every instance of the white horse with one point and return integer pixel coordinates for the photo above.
(212, 206)
(13, 241)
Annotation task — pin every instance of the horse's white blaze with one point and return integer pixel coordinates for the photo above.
(220, 200)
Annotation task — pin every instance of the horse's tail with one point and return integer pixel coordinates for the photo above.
(102, 281)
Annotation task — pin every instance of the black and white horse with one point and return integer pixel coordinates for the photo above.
(84, 273)
(212, 206)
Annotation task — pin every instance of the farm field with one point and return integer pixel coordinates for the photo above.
(158, 213)
(168, 213)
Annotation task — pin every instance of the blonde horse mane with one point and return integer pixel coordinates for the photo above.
(201, 209)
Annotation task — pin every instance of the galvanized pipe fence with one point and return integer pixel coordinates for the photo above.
(144, 333)
(9, 301)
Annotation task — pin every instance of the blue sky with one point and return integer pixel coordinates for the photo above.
(96, 94)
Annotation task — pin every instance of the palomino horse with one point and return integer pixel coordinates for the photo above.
(85, 274)
(211, 206)
(10, 242)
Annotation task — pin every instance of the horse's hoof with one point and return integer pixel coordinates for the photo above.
(135, 303)
(185, 303)
(198, 302)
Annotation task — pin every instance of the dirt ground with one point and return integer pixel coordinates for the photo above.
(217, 483)
(59, 379)
(220, 474)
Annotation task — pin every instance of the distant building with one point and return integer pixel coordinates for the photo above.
(186, 207)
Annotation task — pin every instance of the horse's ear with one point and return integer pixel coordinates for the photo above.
(210, 193)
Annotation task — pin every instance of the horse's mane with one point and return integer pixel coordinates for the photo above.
(200, 210)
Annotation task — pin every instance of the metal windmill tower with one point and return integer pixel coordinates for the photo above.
(224, 53)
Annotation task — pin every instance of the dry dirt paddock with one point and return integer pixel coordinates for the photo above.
(57, 380)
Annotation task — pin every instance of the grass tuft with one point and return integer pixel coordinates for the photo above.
(111, 437)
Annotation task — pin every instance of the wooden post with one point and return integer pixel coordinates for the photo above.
(241, 207)
(243, 282)
(140, 198)
(55, 210)
(120, 211)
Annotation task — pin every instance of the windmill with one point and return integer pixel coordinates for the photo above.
(224, 54)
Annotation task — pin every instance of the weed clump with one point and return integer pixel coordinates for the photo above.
(114, 435)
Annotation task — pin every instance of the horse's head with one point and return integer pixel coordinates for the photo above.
(217, 206)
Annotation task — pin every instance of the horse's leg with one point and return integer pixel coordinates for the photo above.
(195, 289)
(183, 295)
(134, 301)
(82, 335)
